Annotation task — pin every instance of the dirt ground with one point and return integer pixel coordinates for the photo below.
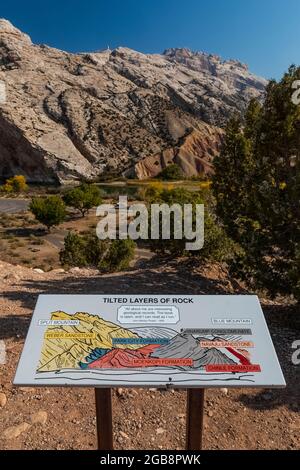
(24, 241)
(64, 418)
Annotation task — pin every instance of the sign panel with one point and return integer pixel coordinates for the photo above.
(149, 341)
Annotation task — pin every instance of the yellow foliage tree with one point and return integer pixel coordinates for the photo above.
(15, 184)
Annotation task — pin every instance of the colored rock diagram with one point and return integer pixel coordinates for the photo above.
(86, 342)
(161, 341)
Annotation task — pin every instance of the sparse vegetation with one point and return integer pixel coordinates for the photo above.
(36, 241)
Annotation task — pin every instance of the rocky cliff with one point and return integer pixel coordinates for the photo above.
(73, 116)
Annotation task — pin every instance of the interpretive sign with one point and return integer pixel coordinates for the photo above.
(149, 341)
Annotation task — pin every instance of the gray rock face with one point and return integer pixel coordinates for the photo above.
(73, 116)
(186, 346)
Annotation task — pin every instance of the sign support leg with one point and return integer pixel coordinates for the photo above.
(194, 418)
(104, 418)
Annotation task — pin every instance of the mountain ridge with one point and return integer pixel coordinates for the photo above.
(73, 116)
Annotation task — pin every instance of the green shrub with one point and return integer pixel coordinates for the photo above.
(89, 251)
(83, 198)
(50, 211)
(217, 245)
(118, 256)
(172, 172)
(74, 253)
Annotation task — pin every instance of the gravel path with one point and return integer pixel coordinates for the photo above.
(13, 206)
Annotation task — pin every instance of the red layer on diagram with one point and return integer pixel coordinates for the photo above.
(123, 358)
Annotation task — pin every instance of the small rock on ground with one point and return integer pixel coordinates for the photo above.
(15, 431)
(39, 418)
(160, 431)
(3, 400)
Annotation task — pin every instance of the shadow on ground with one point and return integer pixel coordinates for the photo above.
(14, 326)
(25, 232)
(149, 280)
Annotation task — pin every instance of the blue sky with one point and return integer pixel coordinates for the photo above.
(263, 33)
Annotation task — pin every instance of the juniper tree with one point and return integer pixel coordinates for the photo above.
(257, 188)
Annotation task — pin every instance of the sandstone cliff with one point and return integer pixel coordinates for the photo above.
(73, 116)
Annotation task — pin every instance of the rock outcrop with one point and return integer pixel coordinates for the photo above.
(73, 116)
(194, 154)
